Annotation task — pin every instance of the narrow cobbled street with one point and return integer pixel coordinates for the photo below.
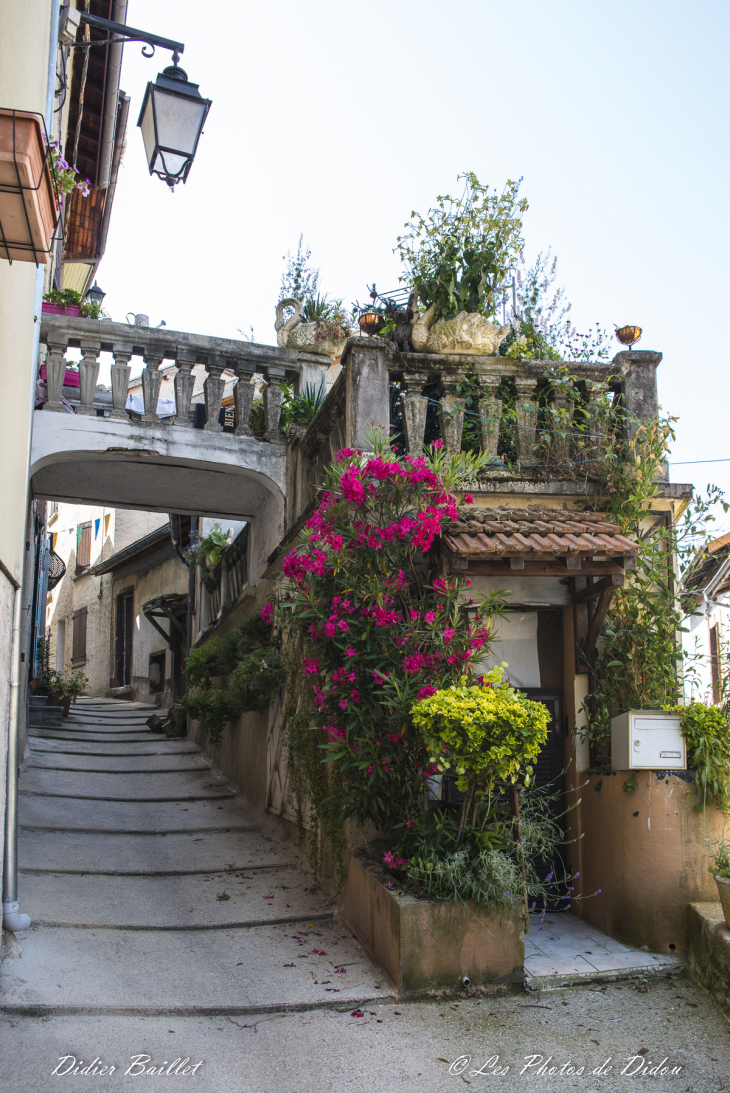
(129, 845)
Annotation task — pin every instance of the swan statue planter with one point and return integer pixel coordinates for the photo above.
(296, 334)
(468, 332)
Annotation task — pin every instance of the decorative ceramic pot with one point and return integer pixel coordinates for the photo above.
(66, 705)
(468, 332)
(723, 887)
(296, 334)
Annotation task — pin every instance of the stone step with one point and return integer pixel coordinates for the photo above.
(138, 817)
(173, 786)
(42, 746)
(96, 727)
(170, 902)
(136, 764)
(149, 855)
(187, 971)
(98, 738)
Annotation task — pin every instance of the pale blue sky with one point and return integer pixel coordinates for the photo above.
(336, 119)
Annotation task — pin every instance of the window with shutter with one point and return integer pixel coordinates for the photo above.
(78, 648)
(83, 547)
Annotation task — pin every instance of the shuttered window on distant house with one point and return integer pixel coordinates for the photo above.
(83, 546)
(78, 648)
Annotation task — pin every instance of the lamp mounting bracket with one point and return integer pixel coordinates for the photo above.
(129, 34)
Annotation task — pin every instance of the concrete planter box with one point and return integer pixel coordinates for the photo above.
(427, 946)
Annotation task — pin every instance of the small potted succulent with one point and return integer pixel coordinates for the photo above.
(720, 868)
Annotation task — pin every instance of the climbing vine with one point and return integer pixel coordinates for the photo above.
(232, 675)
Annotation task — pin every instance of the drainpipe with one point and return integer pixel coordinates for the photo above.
(109, 114)
(13, 919)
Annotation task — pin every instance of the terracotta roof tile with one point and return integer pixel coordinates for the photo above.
(537, 532)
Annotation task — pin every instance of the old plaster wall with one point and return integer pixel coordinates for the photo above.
(117, 528)
(157, 578)
(645, 851)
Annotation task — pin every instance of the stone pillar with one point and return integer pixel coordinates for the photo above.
(490, 416)
(120, 382)
(88, 375)
(367, 364)
(526, 428)
(151, 379)
(55, 371)
(638, 369)
(414, 407)
(213, 389)
(184, 383)
(273, 401)
(451, 419)
(243, 394)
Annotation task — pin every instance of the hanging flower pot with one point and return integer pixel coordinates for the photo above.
(28, 212)
(371, 323)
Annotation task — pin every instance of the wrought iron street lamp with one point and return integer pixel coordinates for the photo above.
(171, 119)
(173, 111)
(95, 295)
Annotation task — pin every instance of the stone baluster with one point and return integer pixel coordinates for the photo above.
(243, 394)
(414, 407)
(151, 380)
(120, 382)
(561, 430)
(490, 415)
(55, 372)
(597, 438)
(451, 419)
(273, 401)
(184, 384)
(88, 375)
(526, 427)
(213, 389)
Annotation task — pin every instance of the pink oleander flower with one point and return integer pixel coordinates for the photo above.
(438, 443)
(468, 499)
(337, 542)
(311, 666)
(350, 651)
(448, 634)
(409, 823)
(430, 616)
(266, 614)
(427, 691)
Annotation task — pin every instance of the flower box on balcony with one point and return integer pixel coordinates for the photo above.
(61, 309)
(70, 378)
(28, 211)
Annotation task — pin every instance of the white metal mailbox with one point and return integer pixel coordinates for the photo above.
(647, 740)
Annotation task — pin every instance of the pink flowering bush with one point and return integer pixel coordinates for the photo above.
(382, 628)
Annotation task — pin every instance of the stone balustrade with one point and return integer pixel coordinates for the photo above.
(154, 346)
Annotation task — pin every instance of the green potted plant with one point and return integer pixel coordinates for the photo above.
(456, 257)
(720, 868)
(206, 551)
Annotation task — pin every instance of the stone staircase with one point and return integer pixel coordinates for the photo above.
(153, 891)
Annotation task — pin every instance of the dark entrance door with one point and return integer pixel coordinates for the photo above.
(549, 776)
(124, 638)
